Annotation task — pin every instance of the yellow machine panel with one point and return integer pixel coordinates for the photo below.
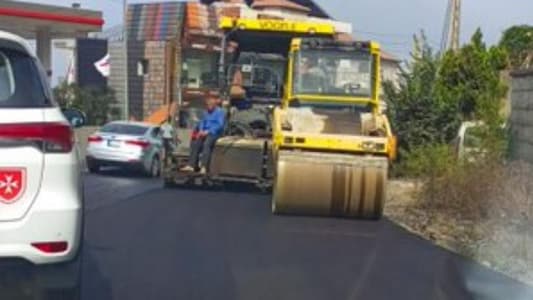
(277, 26)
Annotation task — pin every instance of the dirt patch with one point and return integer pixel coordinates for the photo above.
(501, 239)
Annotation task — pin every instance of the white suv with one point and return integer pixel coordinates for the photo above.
(41, 193)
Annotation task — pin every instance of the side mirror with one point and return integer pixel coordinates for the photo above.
(75, 117)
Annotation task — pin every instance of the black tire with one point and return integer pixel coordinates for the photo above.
(93, 167)
(155, 168)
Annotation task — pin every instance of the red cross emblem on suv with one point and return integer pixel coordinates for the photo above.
(12, 184)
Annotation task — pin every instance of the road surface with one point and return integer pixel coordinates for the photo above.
(144, 242)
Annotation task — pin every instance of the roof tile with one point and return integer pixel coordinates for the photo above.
(280, 4)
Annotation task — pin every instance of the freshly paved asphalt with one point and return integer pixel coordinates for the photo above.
(146, 242)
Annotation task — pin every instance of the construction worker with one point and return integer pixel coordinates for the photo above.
(167, 133)
(208, 130)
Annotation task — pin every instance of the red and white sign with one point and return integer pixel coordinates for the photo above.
(71, 75)
(12, 184)
(103, 66)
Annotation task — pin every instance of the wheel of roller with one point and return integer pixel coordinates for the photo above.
(374, 193)
(329, 185)
(299, 186)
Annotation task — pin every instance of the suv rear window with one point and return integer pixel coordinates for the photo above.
(21, 84)
(124, 129)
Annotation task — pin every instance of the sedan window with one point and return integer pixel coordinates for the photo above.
(156, 132)
(124, 129)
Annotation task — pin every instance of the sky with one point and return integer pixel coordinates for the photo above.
(390, 22)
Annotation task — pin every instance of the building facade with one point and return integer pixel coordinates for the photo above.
(174, 49)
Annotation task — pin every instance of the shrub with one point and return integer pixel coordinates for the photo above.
(426, 161)
(96, 103)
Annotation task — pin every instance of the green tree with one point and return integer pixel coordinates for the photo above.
(437, 93)
(96, 103)
(416, 114)
(518, 42)
(471, 77)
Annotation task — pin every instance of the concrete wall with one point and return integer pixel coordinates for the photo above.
(117, 78)
(522, 115)
(81, 138)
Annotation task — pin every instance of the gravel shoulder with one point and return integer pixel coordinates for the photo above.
(499, 242)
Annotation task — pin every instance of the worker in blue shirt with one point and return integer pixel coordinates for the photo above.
(208, 130)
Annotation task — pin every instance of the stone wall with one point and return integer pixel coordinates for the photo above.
(148, 92)
(522, 115)
(155, 89)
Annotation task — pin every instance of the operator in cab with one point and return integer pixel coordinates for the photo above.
(313, 76)
(208, 130)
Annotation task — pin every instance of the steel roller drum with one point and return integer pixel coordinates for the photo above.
(330, 184)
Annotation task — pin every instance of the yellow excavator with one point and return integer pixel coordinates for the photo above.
(312, 128)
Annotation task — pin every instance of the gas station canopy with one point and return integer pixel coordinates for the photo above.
(27, 19)
(46, 22)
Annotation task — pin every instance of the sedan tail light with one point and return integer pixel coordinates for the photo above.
(140, 143)
(55, 137)
(94, 139)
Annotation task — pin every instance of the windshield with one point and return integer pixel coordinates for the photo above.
(337, 73)
(124, 129)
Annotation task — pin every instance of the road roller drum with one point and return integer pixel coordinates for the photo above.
(330, 184)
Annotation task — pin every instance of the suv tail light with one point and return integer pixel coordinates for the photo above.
(142, 144)
(51, 247)
(55, 137)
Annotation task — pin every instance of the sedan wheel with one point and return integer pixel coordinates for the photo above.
(93, 167)
(155, 168)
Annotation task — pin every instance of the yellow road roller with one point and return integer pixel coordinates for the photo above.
(303, 118)
(332, 144)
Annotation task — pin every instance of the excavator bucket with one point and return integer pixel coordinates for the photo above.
(330, 184)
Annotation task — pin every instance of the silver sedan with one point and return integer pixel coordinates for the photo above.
(132, 145)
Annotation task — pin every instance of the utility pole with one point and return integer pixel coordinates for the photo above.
(452, 27)
(125, 55)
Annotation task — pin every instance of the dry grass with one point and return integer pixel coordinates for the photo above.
(483, 210)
